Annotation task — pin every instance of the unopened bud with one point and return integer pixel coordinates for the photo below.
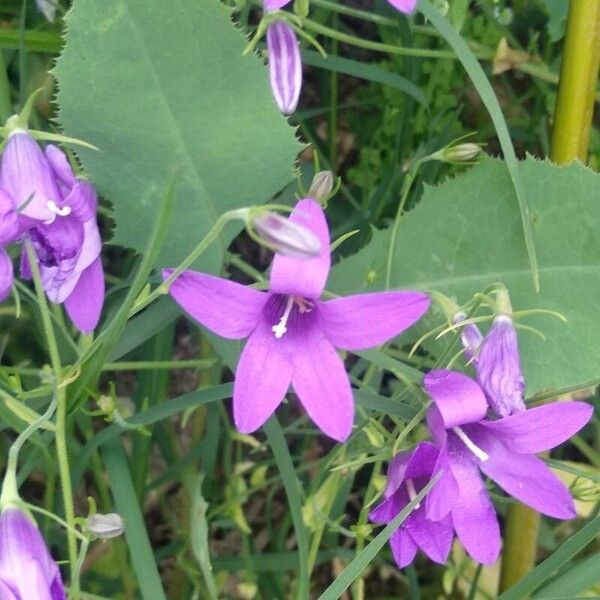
(461, 152)
(321, 186)
(285, 236)
(106, 526)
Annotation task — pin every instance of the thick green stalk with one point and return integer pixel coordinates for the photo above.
(570, 139)
(5, 102)
(577, 86)
(61, 416)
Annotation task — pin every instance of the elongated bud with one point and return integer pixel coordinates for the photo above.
(285, 236)
(106, 526)
(321, 186)
(285, 66)
(470, 337)
(461, 152)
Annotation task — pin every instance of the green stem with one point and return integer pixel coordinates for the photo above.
(159, 365)
(61, 414)
(5, 102)
(577, 85)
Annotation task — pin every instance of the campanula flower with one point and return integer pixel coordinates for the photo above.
(407, 474)
(285, 66)
(68, 247)
(27, 571)
(499, 368)
(502, 449)
(293, 333)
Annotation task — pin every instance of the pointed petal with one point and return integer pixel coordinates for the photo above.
(387, 510)
(229, 309)
(262, 378)
(275, 4)
(541, 428)
(26, 175)
(84, 304)
(403, 548)
(524, 476)
(9, 222)
(6, 593)
(405, 6)
(444, 495)
(434, 538)
(6, 275)
(474, 517)
(395, 473)
(285, 66)
(321, 383)
(300, 277)
(366, 320)
(60, 165)
(459, 399)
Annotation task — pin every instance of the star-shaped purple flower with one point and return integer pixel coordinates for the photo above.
(407, 474)
(502, 449)
(293, 333)
(26, 568)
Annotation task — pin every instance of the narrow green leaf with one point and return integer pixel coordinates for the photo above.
(546, 569)
(293, 490)
(580, 577)
(488, 97)
(127, 506)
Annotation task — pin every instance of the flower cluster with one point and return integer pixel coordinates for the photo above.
(43, 203)
(468, 442)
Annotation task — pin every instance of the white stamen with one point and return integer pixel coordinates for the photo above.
(61, 211)
(281, 328)
(412, 492)
(476, 450)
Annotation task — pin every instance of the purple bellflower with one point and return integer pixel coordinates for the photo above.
(27, 571)
(499, 368)
(502, 449)
(407, 474)
(68, 246)
(285, 66)
(293, 333)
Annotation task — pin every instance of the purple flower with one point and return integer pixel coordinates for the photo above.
(8, 232)
(293, 333)
(407, 474)
(499, 368)
(405, 6)
(68, 247)
(27, 570)
(285, 66)
(503, 449)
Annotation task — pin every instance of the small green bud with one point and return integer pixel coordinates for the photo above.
(465, 152)
(321, 186)
(106, 526)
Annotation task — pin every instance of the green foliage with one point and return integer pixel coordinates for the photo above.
(165, 92)
(465, 235)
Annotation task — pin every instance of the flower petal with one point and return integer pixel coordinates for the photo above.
(459, 399)
(305, 278)
(444, 495)
(285, 66)
(229, 309)
(473, 516)
(262, 378)
(60, 165)
(366, 320)
(405, 6)
(6, 593)
(6, 275)
(403, 548)
(387, 510)
(524, 476)
(26, 175)
(395, 473)
(321, 383)
(434, 538)
(541, 428)
(84, 304)
(9, 222)
(275, 4)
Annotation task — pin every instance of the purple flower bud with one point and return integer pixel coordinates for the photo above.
(6, 275)
(285, 236)
(26, 568)
(499, 368)
(285, 66)
(405, 6)
(26, 175)
(470, 337)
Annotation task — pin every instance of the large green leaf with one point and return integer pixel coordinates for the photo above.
(466, 234)
(162, 88)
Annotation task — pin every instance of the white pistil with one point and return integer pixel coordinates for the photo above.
(61, 211)
(412, 492)
(281, 327)
(476, 450)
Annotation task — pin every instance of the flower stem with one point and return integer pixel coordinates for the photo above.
(577, 85)
(5, 103)
(61, 414)
(570, 139)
